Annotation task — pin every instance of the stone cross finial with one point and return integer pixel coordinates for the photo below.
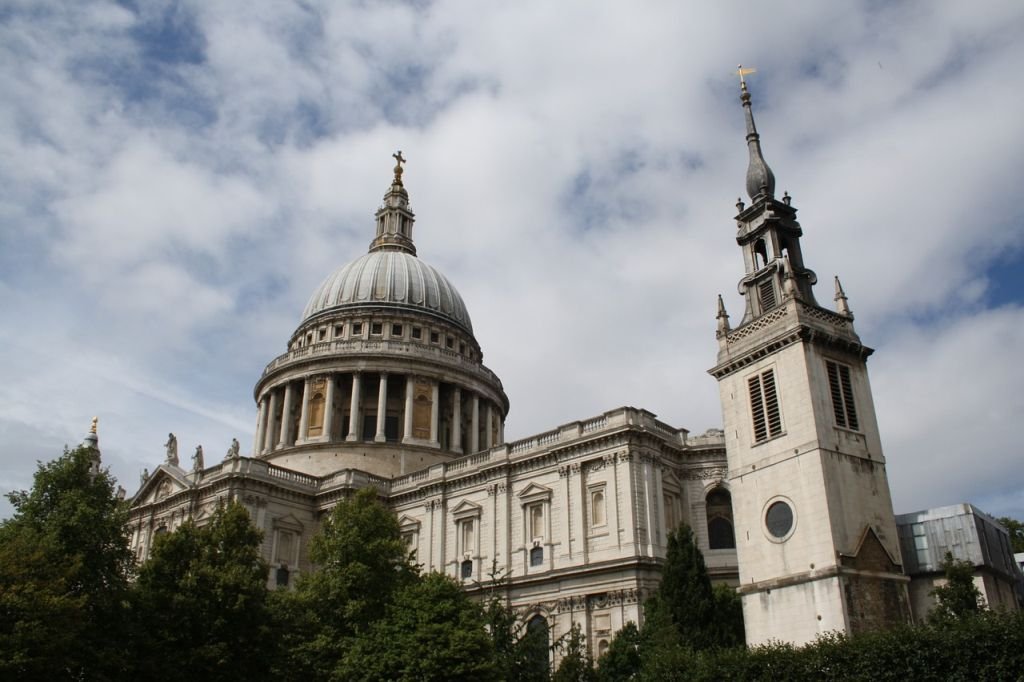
(399, 160)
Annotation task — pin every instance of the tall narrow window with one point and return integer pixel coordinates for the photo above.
(536, 512)
(719, 512)
(766, 292)
(764, 406)
(597, 507)
(468, 542)
(842, 395)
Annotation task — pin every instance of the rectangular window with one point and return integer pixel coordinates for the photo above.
(468, 543)
(598, 515)
(766, 292)
(417, 333)
(764, 406)
(396, 330)
(842, 395)
(435, 337)
(377, 328)
(449, 342)
(535, 512)
(338, 329)
(357, 329)
(323, 333)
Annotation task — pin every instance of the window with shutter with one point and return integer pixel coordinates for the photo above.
(766, 292)
(841, 389)
(764, 406)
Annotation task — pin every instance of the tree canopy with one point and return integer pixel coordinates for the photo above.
(200, 602)
(64, 573)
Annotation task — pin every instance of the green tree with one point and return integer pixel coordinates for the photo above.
(622, 659)
(521, 653)
(576, 664)
(361, 564)
(431, 631)
(959, 597)
(64, 571)
(727, 620)
(201, 602)
(1016, 530)
(685, 598)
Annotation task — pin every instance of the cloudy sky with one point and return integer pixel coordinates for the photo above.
(177, 178)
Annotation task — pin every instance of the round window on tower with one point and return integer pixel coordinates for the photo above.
(779, 519)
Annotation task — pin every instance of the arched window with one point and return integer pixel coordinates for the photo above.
(537, 556)
(720, 525)
(597, 510)
(760, 254)
(467, 568)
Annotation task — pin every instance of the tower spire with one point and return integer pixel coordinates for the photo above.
(760, 179)
(394, 218)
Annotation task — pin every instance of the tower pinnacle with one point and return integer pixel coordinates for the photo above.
(760, 179)
(394, 218)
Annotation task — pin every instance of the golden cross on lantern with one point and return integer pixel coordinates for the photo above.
(399, 158)
(741, 72)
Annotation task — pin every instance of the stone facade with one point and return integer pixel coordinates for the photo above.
(383, 385)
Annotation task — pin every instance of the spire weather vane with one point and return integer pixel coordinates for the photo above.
(741, 72)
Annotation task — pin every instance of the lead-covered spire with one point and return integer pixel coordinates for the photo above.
(394, 218)
(760, 179)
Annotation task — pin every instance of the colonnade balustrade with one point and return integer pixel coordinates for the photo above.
(431, 413)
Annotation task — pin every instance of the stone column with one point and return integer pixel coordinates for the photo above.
(407, 430)
(659, 497)
(329, 409)
(286, 422)
(501, 429)
(304, 414)
(382, 407)
(474, 435)
(488, 427)
(456, 444)
(354, 422)
(268, 444)
(435, 411)
(261, 426)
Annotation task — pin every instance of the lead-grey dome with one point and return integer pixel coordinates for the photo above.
(390, 278)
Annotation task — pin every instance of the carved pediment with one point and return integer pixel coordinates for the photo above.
(465, 510)
(165, 482)
(288, 523)
(407, 523)
(534, 492)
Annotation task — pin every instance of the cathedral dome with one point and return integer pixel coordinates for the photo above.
(391, 279)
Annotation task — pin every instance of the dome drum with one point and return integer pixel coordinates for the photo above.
(383, 371)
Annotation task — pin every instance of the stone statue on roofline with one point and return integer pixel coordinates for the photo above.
(197, 459)
(233, 451)
(143, 477)
(172, 449)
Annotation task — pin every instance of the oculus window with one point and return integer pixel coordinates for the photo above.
(779, 519)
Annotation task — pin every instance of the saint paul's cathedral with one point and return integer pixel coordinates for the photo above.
(383, 385)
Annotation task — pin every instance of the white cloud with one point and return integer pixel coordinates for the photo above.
(573, 168)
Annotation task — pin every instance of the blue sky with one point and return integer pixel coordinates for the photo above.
(177, 178)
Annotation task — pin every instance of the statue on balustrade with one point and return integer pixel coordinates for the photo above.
(172, 449)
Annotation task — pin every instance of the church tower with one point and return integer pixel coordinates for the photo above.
(815, 532)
